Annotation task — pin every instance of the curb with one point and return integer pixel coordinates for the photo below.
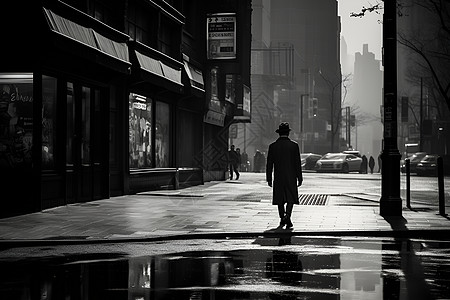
(441, 234)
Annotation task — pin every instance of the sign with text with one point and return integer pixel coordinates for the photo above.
(243, 105)
(221, 36)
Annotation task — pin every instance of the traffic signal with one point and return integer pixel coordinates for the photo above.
(315, 106)
(352, 120)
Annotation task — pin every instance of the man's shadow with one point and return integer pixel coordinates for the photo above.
(279, 229)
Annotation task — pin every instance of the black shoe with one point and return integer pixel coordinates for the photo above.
(282, 222)
(237, 177)
(289, 224)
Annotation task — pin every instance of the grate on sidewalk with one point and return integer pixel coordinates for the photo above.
(313, 199)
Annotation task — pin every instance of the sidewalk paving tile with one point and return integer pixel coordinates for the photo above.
(215, 207)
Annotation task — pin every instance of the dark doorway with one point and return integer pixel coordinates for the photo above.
(86, 143)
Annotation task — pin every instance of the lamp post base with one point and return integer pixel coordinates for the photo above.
(390, 201)
(390, 207)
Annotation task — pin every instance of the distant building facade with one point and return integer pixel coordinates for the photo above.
(367, 88)
(295, 58)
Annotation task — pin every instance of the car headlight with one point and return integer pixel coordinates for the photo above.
(420, 165)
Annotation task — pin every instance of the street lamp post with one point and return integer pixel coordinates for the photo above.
(390, 202)
(302, 101)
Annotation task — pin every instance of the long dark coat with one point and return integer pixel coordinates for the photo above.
(283, 158)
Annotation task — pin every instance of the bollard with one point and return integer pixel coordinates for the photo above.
(440, 165)
(408, 182)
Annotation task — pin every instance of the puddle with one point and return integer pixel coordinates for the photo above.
(262, 268)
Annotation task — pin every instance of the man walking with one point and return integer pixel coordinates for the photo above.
(233, 161)
(283, 159)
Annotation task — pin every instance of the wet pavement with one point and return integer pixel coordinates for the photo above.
(227, 208)
(284, 267)
(221, 241)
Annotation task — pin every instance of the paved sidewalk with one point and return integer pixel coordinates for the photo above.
(216, 208)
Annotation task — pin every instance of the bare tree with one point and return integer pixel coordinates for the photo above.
(334, 85)
(430, 42)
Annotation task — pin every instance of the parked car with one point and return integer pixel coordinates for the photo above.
(338, 162)
(427, 166)
(309, 160)
(413, 161)
(354, 152)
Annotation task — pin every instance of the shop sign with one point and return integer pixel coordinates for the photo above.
(221, 36)
(214, 118)
(141, 106)
(243, 105)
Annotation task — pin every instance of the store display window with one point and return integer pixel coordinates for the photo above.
(140, 131)
(48, 122)
(16, 120)
(149, 133)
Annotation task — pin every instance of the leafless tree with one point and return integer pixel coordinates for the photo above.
(334, 85)
(429, 42)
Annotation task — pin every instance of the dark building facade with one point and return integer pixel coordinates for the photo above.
(106, 98)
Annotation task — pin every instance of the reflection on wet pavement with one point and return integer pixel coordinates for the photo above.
(274, 268)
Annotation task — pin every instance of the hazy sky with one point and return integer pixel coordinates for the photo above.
(359, 31)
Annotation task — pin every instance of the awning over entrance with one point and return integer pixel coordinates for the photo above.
(152, 66)
(87, 36)
(159, 68)
(195, 76)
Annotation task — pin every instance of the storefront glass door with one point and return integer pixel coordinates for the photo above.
(85, 168)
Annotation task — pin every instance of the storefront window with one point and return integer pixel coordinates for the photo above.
(70, 114)
(16, 120)
(85, 125)
(230, 88)
(162, 135)
(48, 122)
(140, 131)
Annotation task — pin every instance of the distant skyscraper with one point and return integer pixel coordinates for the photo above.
(367, 93)
(295, 52)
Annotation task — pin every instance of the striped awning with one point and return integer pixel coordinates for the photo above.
(87, 36)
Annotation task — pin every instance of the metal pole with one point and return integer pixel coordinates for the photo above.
(441, 186)
(421, 116)
(349, 137)
(390, 202)
(302, 143)
(408, 182)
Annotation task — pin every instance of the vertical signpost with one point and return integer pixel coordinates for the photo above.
(390, 202)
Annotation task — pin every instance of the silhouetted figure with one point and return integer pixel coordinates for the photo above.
(363, 167)
(371, 164)
(257, 162)
(379, 163)
(244, 162)
(262, 162)
(233, 162)
(283, 159)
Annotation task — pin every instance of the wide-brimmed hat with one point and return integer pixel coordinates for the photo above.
(283, 128)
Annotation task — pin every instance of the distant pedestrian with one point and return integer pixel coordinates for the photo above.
(244, 162)
(379, 163)
(257, 162)
(233, 162)
(371, 164)
(239, 155)
(363, 167)
(262, 162)
(283, 158)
